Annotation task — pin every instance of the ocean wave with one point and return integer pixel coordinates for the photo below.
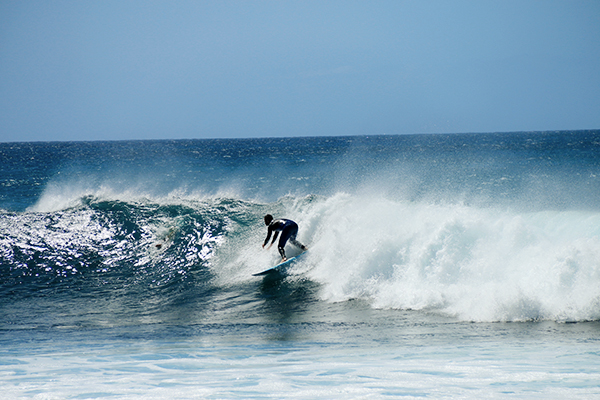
(464, 262)
(102, 242)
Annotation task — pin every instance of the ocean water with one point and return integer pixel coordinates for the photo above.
(439, 266)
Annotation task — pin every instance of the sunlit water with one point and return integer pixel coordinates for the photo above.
(439, 266)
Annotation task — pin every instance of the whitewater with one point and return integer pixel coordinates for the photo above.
(439, 266)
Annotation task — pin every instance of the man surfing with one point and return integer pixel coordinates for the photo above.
(288, 229)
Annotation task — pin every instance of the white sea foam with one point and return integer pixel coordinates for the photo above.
(473, 264)
(228, 366)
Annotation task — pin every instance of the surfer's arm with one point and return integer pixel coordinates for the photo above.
(267, 239)
(269, 231)
(274, 227)
(275, 237)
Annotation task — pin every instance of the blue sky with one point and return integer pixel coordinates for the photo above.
(104, 70)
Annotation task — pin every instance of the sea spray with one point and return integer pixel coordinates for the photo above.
(474, 264)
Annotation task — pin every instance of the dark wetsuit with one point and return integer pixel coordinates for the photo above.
(288, 229)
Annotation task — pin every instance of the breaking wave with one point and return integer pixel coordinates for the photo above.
(469, 263)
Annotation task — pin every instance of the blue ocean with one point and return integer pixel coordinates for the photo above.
(438, 266)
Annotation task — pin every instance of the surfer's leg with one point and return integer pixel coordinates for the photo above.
(282, 253)
(297, 243)
(289, 232)
(294, 241)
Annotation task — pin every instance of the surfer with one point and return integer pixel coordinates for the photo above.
(288, 229)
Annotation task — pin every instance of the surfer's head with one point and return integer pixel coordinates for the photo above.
(268, 219)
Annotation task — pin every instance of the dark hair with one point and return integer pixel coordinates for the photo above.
(268, 219)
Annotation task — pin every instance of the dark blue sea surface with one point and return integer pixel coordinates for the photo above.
(462, 265)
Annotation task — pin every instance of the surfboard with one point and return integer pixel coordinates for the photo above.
(280, 266)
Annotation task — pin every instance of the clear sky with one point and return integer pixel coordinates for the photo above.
(98, 70)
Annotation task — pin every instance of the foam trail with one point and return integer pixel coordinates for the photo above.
(473, 264)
